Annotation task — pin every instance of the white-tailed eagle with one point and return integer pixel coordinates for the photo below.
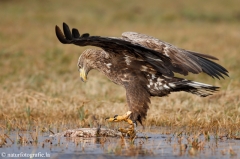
(144, 66)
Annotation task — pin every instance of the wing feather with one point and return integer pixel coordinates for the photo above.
(75, 33)
(67, 32)
(183, 61)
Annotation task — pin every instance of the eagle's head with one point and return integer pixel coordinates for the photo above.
(87, 61)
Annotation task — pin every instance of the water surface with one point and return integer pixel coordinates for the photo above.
(148, 145)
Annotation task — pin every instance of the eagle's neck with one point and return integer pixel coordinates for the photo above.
(104, 64)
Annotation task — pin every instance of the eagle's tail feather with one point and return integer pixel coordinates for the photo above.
(197, 88)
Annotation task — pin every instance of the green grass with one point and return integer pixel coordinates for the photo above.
(39, 81)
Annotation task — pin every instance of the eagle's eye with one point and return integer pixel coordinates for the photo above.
(79, 67)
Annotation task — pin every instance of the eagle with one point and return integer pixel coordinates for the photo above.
(144, 66)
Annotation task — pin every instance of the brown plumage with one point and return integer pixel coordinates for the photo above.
(143, 65)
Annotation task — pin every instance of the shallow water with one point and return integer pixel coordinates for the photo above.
(155, 146)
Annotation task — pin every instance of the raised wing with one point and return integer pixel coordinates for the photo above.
(183, 61)
(163, 57)
(116, 46)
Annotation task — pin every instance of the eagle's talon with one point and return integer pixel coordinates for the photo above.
(130, 131)
(110, 119)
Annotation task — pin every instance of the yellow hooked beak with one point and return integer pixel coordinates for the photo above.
(83, 75)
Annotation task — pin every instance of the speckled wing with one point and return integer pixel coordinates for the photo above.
(182, 61)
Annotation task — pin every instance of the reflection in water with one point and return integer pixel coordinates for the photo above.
(155, 146)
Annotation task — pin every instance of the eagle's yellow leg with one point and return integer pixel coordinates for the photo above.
(130, 131)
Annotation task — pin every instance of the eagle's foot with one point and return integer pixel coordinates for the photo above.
(118, 118)
(130, 131)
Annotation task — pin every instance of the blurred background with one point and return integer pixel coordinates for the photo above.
(39, 80)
